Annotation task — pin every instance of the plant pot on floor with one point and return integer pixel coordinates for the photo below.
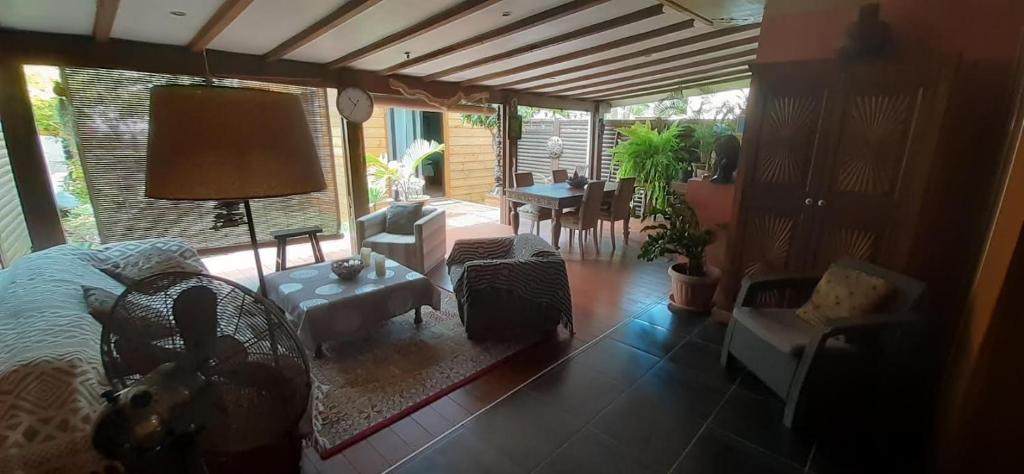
(693, 293)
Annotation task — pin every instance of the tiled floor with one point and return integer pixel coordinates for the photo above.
(648, 397)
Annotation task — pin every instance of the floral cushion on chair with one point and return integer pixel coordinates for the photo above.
(844, 293)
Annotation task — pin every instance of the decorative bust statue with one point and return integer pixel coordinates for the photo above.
(727, 157)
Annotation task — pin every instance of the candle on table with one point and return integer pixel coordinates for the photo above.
(364, 255)
(378, 262)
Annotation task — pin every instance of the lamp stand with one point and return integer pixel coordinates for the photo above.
(255, 247)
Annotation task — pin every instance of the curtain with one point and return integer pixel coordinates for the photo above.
(110, 110)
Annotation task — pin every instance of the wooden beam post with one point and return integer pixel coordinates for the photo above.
(28, 164)
(509, 155)
(215, 25)
(355, 151)
(596, 130)
(103, 22)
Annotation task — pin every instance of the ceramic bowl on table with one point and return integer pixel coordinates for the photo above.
(348, 269)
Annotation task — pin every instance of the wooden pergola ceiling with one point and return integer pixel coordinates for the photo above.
(566, 49)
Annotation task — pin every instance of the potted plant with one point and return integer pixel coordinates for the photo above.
(652, 157)
(401, 174)
(680, 234)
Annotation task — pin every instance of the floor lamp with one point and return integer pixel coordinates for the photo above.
(230, 145)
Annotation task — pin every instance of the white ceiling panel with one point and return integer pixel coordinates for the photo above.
(381, 20)
(583, 43)
(697, 72)
(733, 85)
(267, 23)
(151, 20)
(485, 20)
(50, 16)
(631, 61)
(564, 25)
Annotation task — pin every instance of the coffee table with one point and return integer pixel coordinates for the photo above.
(323, 307)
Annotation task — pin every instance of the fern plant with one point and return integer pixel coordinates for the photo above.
(652, 157)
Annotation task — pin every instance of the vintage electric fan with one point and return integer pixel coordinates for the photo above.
(200, 367)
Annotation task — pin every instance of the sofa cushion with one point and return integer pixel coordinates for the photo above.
(401, 217)
(844, 293)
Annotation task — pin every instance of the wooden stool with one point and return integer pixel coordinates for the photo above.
(282, 236)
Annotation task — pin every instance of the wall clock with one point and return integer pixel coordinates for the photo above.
(355, 104)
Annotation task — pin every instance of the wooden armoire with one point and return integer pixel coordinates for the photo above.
(836, 160)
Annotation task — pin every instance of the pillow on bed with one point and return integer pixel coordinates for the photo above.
(147, 262)
(101, 305)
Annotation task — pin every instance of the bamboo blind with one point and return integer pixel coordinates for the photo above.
(14, 239)
(110, 109)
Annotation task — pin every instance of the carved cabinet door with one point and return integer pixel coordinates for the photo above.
(884, 124)
(781, 151)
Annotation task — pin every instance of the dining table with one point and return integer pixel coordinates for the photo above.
(554, 196)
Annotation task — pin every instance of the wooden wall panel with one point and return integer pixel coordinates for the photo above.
(375, 132)
(469, 152)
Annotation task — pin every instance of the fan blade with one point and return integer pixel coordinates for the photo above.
(256, 375)
(195, 313)
(139, 357)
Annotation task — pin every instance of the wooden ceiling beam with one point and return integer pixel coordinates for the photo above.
(639, 15)
(344, 13)
(582, 53)
(574, 82)
(103, 23)
(53, 49)
(677, 87)
(446, 17)
(718, 63)
(667, 81)
(696, 39)
(533, 21)
(228, 11)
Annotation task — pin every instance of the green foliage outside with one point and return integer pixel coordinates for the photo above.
(53, 118)
(709, 122)
(678, 233)
(652, 157)
(400, 174)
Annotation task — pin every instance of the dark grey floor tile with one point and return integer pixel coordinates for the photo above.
(714, 452)
(683, 322)
(460, 453)
(616, 360)
(592, 453)
(712, 333)
(758, 421)
(647, 337)
(524, 428)
(576, 388)
(754, 386)
(658, 417)
(703, 358)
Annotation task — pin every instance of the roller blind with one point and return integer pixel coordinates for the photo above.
(111, 118)
(14, 240)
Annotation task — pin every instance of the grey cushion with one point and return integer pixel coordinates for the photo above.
(401, 216)
(781, 328)
(389, 238)
(148, 261)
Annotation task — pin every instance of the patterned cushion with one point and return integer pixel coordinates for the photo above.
(401, 217)
(145, 262)
(101, 305)
(844, 293)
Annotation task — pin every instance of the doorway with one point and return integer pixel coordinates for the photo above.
(405, 126)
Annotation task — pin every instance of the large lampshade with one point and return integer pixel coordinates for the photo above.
(224, 143)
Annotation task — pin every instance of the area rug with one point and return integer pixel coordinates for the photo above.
(364, 385)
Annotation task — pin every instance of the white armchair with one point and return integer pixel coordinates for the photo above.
(421, 251)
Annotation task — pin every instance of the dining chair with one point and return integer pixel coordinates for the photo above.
(534, 213)
(586, 216)
(559, 176)
(618, 210)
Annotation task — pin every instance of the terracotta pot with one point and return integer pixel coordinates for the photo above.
(693, 293)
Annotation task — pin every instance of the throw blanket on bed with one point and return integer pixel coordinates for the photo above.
(51, 375)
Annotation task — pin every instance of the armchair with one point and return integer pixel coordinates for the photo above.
(421, 251)
(781, 349)
(509, 286)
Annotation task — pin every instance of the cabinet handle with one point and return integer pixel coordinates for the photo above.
(821, 203)
(808, 201)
